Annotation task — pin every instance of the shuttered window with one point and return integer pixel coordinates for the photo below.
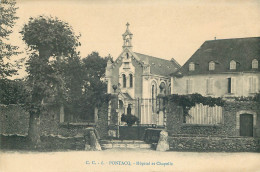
(210, 85)
(232, 85)
(253, 84)
(189, 86)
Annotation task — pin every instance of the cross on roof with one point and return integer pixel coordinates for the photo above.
(127, 24)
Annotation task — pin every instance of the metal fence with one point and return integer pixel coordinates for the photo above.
(149, 111)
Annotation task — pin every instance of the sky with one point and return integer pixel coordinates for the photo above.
(166, 28)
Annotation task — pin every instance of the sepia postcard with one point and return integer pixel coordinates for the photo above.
(118, 85)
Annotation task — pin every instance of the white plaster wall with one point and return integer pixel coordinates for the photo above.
(220, 84)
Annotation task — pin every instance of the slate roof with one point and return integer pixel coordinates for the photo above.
(241, 50)
(159, 66)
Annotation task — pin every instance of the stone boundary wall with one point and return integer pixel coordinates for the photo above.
(50, 125)
(229, 126)
(214, 144)
(48, 143)
(57, 143)
(152, 135)
(187, 142)
(13, 120)
(14, 124)
(231, 112)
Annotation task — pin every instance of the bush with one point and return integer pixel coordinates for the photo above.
(129, 119)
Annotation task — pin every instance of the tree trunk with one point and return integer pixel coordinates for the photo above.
(34, 132)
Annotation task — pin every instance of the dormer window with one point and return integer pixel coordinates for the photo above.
(233, 65)
(255, 64)
(211, 65)
(191, 66)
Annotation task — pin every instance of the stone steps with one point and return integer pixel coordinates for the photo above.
(126, 144)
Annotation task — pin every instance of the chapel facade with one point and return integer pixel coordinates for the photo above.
(138, 79)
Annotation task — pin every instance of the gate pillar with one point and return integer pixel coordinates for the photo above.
(113, 121)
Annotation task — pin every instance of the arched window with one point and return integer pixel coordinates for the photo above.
(154, 94)
(124, 80)
(127, 55)
(154, 90)
(170, 88)
(191, 66)
(254, 64)
(233, 65)
(211, 65)
(130, 80)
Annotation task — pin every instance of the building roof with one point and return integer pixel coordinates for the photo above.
(241, 50)
(127, 96)
(159, 66)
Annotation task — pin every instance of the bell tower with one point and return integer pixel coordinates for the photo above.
(127, 37)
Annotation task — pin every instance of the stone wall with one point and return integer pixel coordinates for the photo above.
(231, 112)
(186, 142)
(113, 120)
(102, 124)
(194, 129)
(213, 144)
(51, 126)
(14, 123)
(152, 135)
(174, 116)
(229, 126)
(57, 143)
(13, 120)
(223, 137)
(14, 142)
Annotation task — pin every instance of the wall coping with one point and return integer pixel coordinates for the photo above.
(76, 124)
(204, 136)
(201, 125)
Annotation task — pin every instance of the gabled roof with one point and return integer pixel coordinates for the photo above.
(159, 66)
(125, 96)
(241, 50)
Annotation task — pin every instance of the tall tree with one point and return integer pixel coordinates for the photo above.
(73, 82)
(7, 21)
(84, 88)
(50, 39)
(93, 84)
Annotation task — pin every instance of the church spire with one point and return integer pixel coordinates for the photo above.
(127, 37)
